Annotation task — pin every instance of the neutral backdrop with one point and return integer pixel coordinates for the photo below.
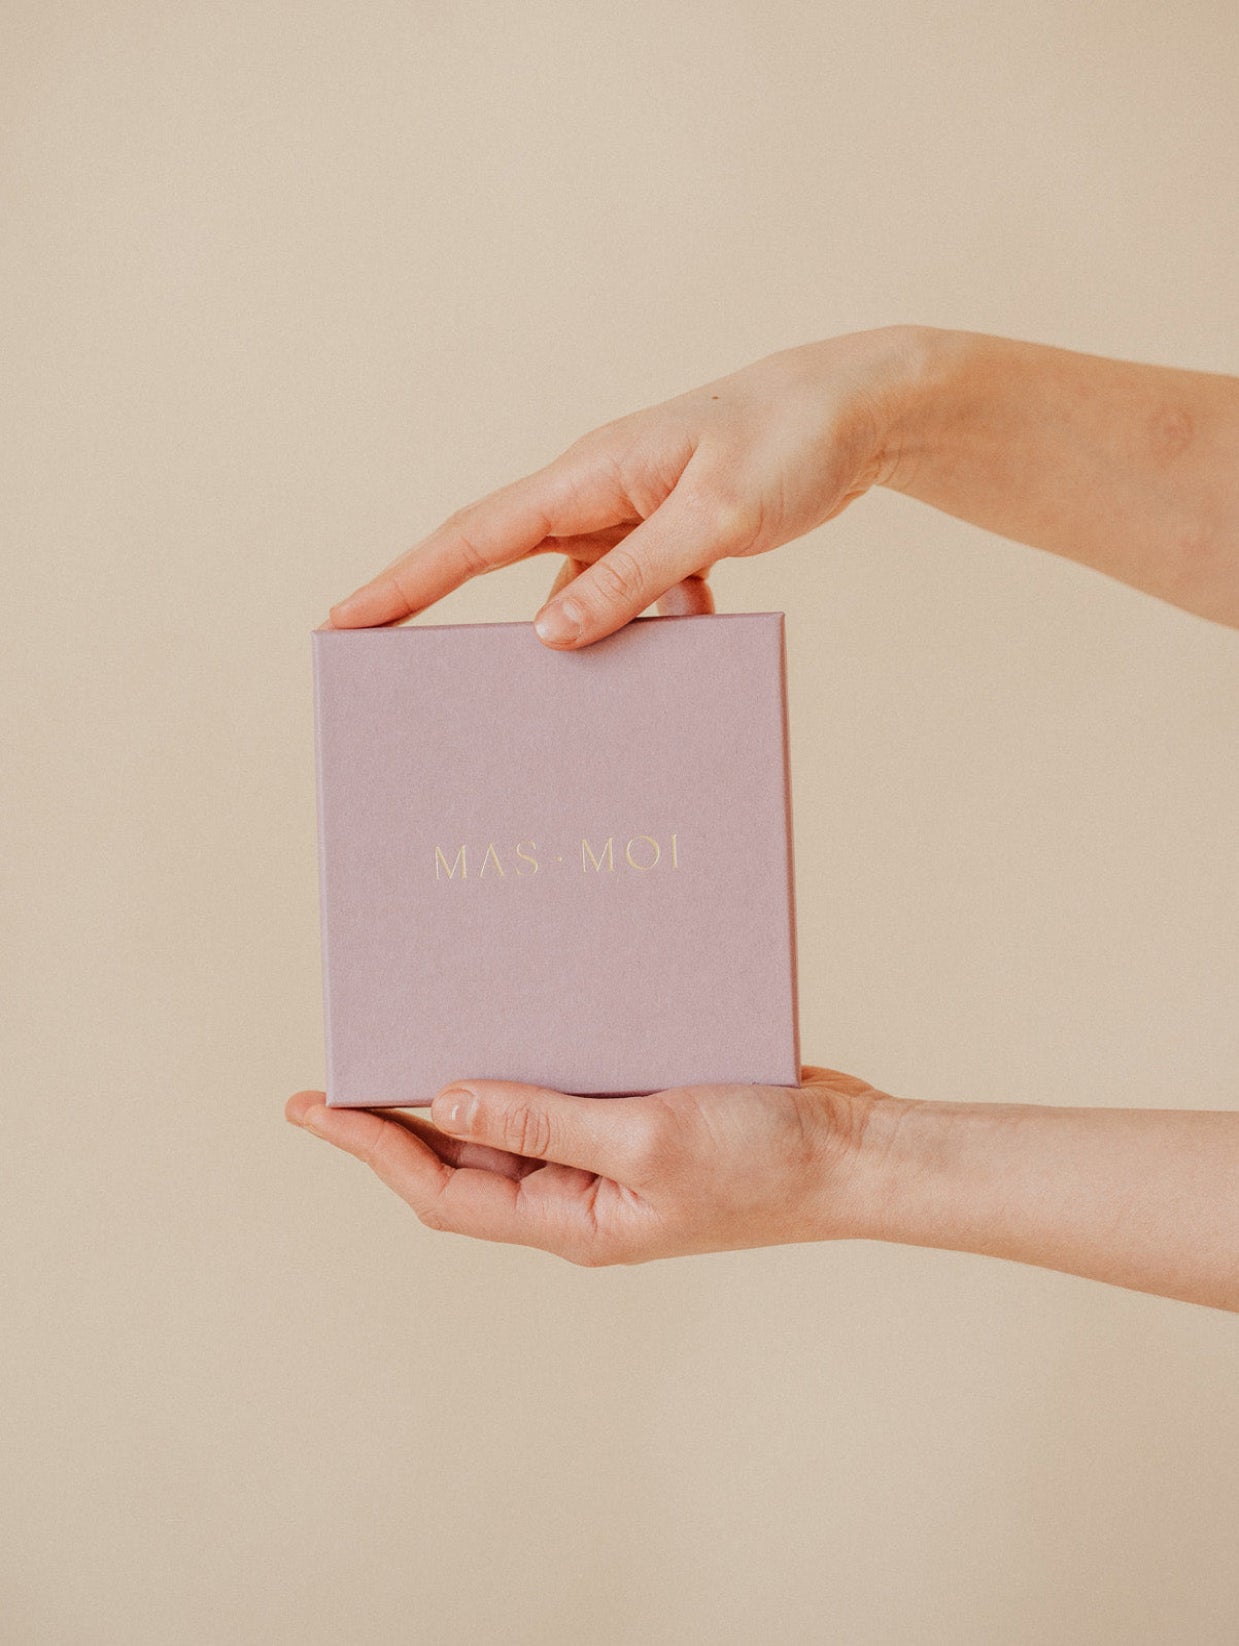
(284, 284)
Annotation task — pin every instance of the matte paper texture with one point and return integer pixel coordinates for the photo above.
(567, 868)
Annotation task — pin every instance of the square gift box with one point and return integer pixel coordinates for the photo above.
(567, 868)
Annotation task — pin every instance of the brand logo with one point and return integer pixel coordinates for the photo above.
(524, 859)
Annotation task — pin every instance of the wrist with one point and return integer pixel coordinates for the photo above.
(924, 408)
(904, 1173)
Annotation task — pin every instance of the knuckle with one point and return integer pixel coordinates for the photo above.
(526, 1130)
(619, 578)
(723, 503)
(472, 557)
(593, 443)
(734, 523)
(603, 439)
(433, 1216)
(409, 583)
(587, 1254)
(378, 1148)
(650, 1142)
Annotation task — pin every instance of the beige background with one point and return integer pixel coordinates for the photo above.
(284, 284)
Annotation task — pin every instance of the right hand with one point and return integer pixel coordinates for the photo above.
(643, 507)
(597, 1181)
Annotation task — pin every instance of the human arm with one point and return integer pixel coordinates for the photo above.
(1128, 468)
(1146, 1199)
(1131, 469)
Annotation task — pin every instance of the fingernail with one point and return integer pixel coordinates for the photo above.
(454, 1109)
(559, 623)
(309, 1119)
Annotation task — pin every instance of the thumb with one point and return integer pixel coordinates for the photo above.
(683, 536)
(588, 1132)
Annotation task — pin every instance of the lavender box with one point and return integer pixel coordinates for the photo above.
(567, 868)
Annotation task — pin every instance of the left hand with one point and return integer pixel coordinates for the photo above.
(647, 504)
(619, 1180)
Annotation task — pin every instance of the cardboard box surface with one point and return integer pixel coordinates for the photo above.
(567, 868)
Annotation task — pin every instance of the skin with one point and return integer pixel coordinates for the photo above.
(1130, 469)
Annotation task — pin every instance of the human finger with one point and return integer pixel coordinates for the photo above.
(458, 1199)
(611, 1137)
(458, 1151)
(682, 537)
(568, 498)
(571, 568)
(453, 1151)
(690, 597)
(404, 1161)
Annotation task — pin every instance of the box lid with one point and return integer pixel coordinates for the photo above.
(567, 868)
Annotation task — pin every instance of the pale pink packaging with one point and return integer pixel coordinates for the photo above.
(568, 868)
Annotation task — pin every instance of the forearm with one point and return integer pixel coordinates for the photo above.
(1131, 469)
(1147, 1199)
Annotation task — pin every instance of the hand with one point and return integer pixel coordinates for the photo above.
(645, 503)
(624, 1180)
